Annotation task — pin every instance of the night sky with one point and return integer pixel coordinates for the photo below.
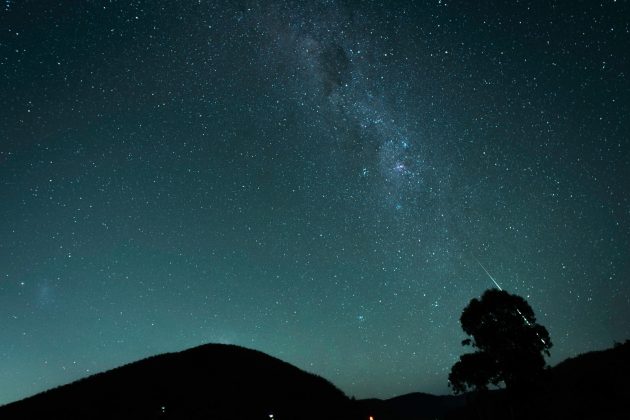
(319, 180)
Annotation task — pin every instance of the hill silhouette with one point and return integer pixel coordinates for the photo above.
(593, 385)
(416, 406)
(231, 382)
(210, 381)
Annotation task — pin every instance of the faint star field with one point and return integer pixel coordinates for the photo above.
(325, 181)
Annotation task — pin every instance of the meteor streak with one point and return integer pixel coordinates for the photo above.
(488, 273)
(500, 288)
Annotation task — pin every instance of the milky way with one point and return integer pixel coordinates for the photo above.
(316, 180)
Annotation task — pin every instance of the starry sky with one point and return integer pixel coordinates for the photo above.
(319, 180)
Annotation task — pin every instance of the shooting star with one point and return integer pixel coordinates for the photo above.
(501, 289)
(488, 273)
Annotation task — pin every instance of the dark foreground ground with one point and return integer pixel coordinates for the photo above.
(228, 382)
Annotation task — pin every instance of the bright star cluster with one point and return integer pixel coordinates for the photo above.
(319, 180)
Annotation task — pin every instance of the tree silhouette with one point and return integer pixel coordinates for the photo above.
(511, 346)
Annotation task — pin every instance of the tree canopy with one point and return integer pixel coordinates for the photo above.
(510, 345)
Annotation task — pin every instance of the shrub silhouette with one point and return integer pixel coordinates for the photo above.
(510, 344)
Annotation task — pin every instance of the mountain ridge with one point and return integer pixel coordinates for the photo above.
(233, 382)
(201, 382)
